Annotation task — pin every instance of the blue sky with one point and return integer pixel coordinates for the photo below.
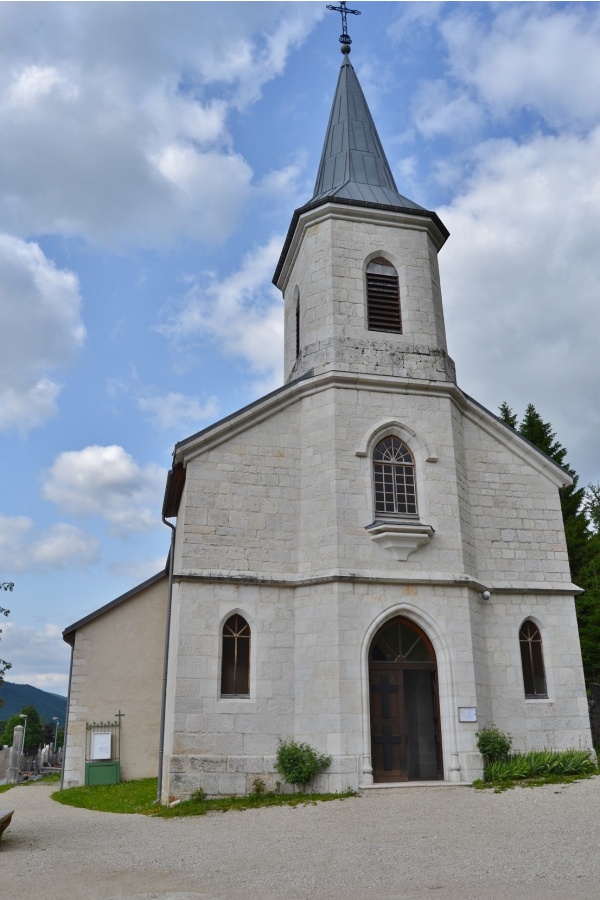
(151, 158)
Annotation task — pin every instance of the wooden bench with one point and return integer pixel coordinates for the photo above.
(5, 817)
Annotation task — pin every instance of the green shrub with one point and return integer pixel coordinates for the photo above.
(198, 796)
(299, 762)
(493, 744)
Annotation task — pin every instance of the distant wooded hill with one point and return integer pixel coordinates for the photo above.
(16, 696)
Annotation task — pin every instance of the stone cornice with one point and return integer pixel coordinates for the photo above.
(433, 579)
(394, 217)
(279, 400)
(305, 387)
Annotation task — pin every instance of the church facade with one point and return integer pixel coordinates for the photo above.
(366, 559)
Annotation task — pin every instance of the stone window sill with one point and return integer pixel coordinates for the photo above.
(400, 537)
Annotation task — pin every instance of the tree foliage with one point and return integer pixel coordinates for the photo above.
(34, 733)
(581, 516)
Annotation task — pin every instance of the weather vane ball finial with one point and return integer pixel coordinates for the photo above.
(345, 39)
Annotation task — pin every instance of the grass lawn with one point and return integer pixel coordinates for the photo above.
(139, 797)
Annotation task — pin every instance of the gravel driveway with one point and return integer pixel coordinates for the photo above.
(449, 842)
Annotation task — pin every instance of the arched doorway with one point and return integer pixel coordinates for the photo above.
(405, 730)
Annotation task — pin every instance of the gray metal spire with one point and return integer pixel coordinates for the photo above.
(353, 164)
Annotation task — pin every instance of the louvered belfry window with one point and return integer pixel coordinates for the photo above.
(383, 297)
(394, 475)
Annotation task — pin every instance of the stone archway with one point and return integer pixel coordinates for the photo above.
(405, 720)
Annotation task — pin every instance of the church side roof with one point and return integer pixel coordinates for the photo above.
(353, 163)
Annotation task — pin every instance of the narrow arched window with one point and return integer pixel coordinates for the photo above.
(235, 662)
(532, 660)
(383, 297)
(394, 478)
(297, 326)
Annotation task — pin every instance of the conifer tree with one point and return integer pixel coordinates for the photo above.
(507, 415)
(588, 603)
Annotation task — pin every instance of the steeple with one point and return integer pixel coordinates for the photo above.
(358, 269)
(353, 163)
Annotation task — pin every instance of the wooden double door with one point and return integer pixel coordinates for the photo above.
(405, 732)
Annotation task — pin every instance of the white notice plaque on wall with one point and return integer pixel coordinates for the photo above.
(101, 745)
(467, 714)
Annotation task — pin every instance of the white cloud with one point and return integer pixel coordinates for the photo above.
(541, 58)
(34, 84)
(39, 656)
(520, 277)
(439, 109)
(243, 314)
(24, 548)
(538, 56)
(42, 330)
(173, 410)
(114, 122)
(67, 544)
(106, 482)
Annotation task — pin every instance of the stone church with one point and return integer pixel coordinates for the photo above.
(365, 559)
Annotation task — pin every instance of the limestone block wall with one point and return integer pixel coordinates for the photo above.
(222, 744)
(309, 680)
(284, 504)
(293, 495)
(241, 503)
(118, 664)
(516, 515)
(328, 275)
(441, 484)
(561, 721)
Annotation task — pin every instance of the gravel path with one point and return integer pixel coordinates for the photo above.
(444, 843)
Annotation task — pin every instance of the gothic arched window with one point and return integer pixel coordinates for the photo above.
(235, 660)
(532, 660)
(383, 297)
(297, 326)
(394, 478)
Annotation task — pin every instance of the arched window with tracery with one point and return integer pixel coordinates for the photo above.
(383, 297)
(394, 478)
(235, 660)
(532, 660)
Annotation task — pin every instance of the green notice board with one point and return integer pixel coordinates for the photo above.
(103, 772)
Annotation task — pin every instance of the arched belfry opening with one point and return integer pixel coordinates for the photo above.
(405, 722)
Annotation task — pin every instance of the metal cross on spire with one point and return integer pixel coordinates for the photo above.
(344, 37)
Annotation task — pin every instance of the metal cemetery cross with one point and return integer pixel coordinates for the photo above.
(385, 689)
(387, 739)
(344, 37)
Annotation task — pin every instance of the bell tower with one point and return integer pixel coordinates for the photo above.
(359, 270)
